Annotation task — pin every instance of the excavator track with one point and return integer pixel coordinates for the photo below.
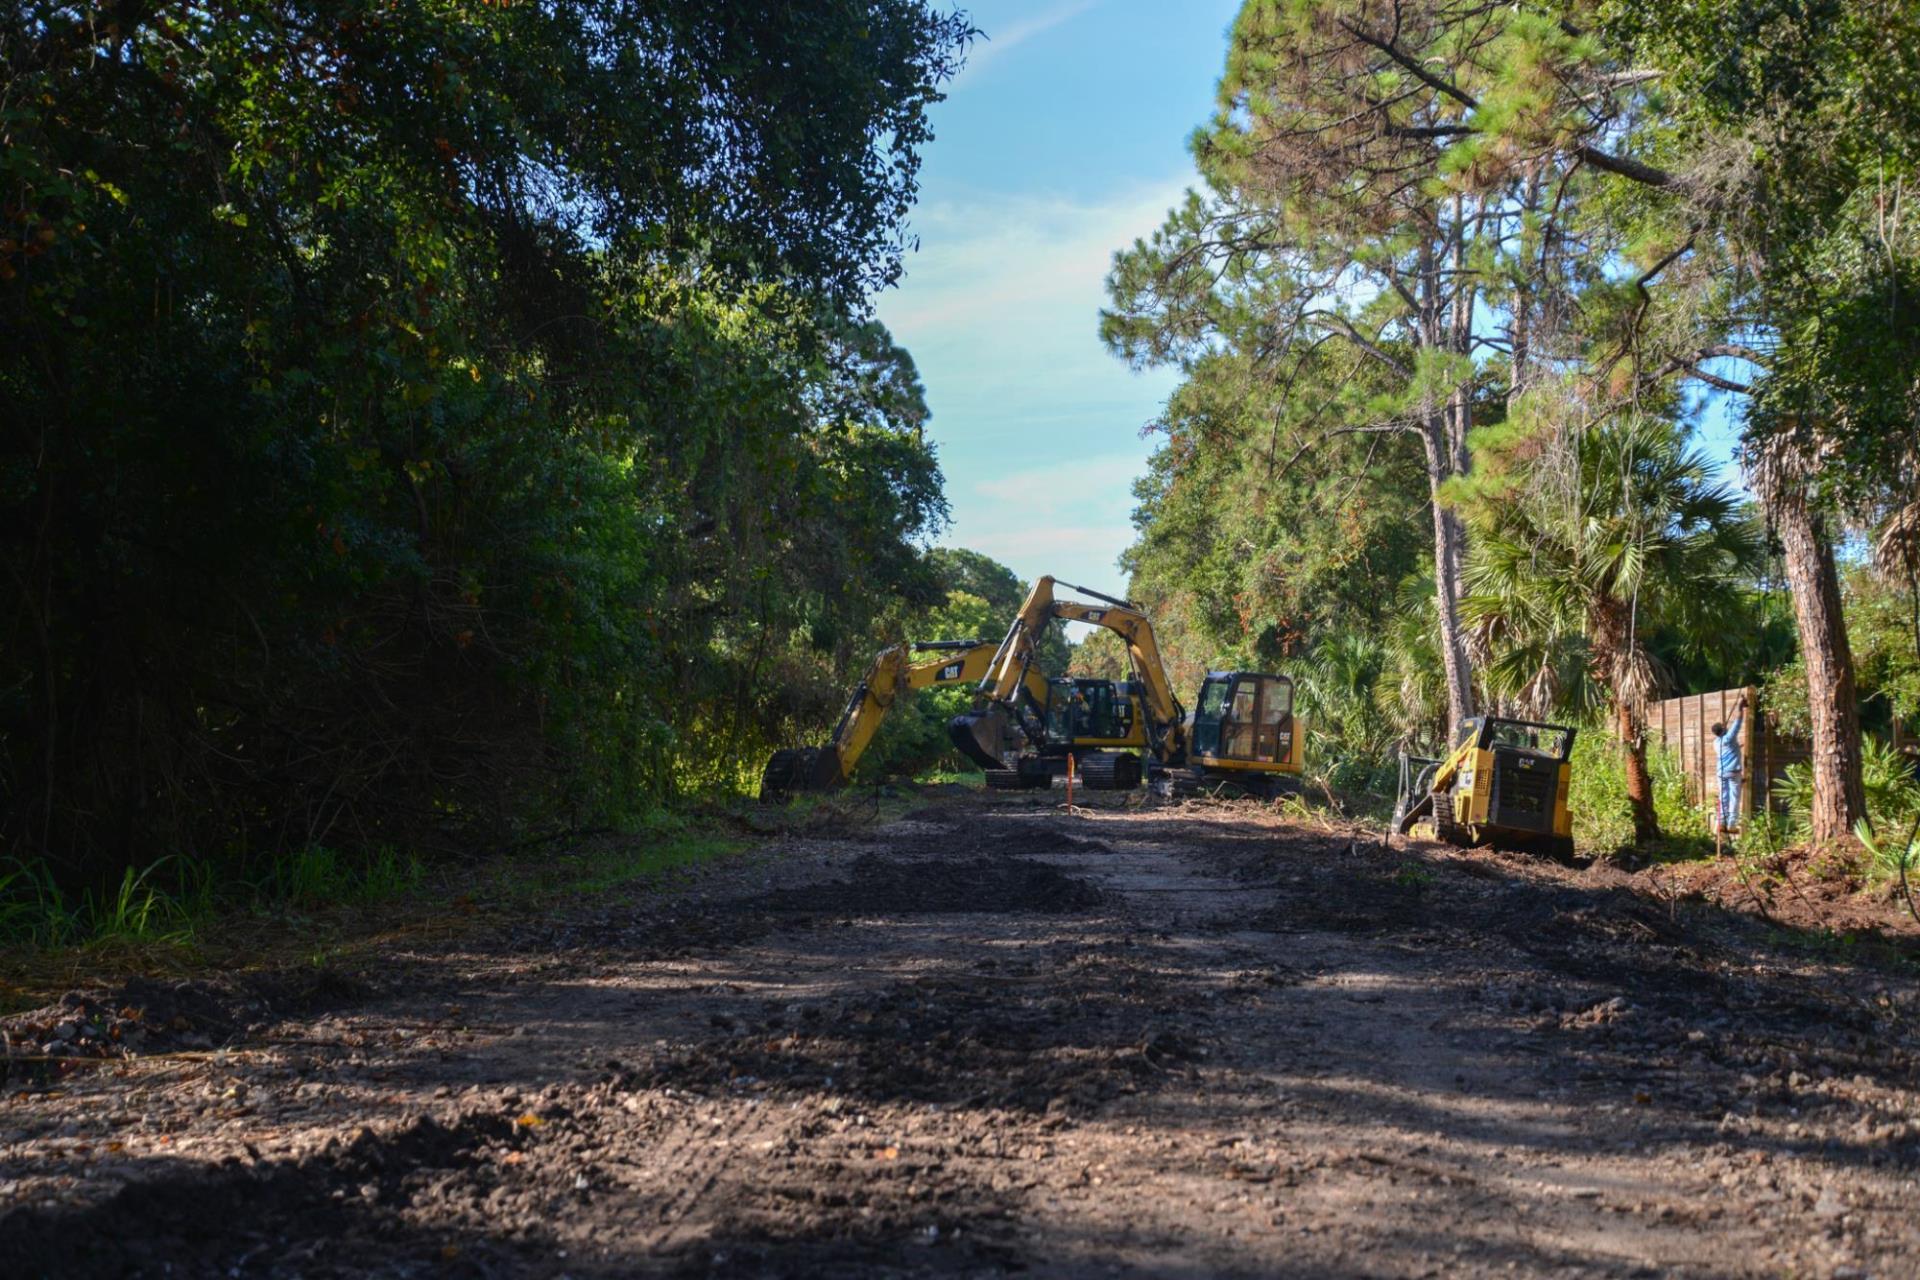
(1109, 771)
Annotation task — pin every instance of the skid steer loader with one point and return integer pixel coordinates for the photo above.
(1504, 785)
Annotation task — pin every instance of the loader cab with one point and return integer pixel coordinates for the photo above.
(1521, 737)
(1244, 719)
(1092, 712)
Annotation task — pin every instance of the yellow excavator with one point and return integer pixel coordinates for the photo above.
(895, 670)
(1243, 736)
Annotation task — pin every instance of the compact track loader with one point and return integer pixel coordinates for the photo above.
(1504, 784)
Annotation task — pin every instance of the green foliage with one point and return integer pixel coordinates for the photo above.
(1602, 813)
(388, 456)
(1802, 120)
(1243, 561)
(1597, 795)
(1892, 854)
(601, 866)
(1880, 631)
(1353, 737)
(1893, 793)
(1605, 540)
(978, 597)
(319, 876)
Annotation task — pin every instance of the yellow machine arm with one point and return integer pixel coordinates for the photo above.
(894, 672)
(1013, 662)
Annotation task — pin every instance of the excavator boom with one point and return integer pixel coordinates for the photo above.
(897, 669)
(1243, 738)
(994, 728)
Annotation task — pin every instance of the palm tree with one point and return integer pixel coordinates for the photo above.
(1412, 691)
(1621, 531)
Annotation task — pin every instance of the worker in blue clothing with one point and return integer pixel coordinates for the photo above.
(1732, 767)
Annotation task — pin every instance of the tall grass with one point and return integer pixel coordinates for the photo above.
(174, 899)
(1602, 815)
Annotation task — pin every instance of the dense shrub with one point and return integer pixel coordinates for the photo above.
(1893, 794)
(1603, 816)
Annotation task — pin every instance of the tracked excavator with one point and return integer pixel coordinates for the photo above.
(896, 670)
(1242, 737)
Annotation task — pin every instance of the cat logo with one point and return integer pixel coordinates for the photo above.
(1094, 616)
(951, 671)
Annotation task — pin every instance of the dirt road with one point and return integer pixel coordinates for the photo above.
(992, 1039)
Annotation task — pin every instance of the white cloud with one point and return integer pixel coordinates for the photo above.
(1018, 262)
(1082, 553)
(1050, 488)
(998, 44)
(1038, 426)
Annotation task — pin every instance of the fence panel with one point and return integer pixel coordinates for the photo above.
(1685, 727)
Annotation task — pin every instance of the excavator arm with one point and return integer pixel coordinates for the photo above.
(895, 670)
(989, 729)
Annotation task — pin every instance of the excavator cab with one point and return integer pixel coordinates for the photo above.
(1244, 717)
(1085, 712)
(1244, 735)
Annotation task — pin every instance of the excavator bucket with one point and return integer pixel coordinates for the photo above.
(795, 769)
(981, 735)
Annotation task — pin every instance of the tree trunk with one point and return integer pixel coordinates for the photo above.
(1633, 737)
(1839, 798)
(1449, 568)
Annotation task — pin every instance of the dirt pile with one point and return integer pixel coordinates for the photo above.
(1061, 1033)
(357, 1210)
(158, 1015)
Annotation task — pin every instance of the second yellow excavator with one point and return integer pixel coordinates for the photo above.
(1242, 737)
(895, 670)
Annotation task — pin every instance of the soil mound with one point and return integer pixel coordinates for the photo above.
(158, 1015)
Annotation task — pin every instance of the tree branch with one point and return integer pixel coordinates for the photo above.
(1412, 65)
(1366, 344)
(1624, 166)
(1713, 379)
(1739, 352)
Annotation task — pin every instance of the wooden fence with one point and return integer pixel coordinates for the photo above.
(1684, 727)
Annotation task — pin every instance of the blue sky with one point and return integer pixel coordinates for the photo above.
(1062, 141)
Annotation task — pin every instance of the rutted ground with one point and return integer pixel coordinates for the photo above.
(994, 1038)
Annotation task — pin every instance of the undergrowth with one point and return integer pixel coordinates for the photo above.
(175, 900)
(1602, 815)
(179, 904)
